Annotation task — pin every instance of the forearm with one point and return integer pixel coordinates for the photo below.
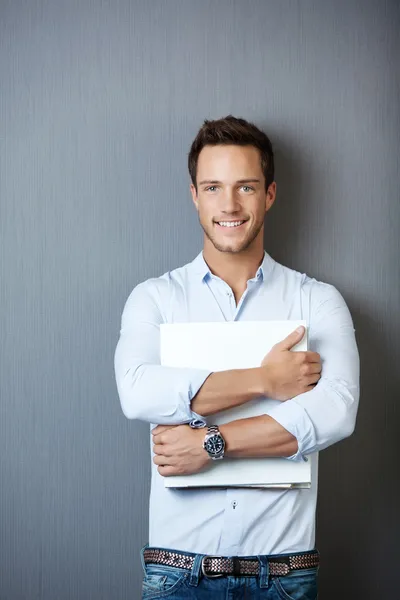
(172, 396)
(320, 418)
(227, 389)
(158, 394)
(258, 437)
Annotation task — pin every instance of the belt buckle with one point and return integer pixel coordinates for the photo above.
(212, 575)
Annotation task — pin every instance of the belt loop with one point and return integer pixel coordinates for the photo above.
(264, 571)
(142, 557)
(196, 570)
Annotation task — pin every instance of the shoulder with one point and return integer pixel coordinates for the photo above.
(317, 291)
(321, 292)
(323, 297)
(320, 299)
(158, 290)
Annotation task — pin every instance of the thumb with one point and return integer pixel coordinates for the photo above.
(292, 339)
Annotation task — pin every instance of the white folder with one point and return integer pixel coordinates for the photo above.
(234, 345)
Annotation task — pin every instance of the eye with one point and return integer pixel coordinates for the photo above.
(211, 188)
(247, 188)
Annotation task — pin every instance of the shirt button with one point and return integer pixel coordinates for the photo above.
(234, 504)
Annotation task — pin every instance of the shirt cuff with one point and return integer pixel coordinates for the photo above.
(296, 421)
(196, 381)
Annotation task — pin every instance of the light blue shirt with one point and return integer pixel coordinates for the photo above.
(242, 522)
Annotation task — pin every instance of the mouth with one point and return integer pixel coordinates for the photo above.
(228, 225)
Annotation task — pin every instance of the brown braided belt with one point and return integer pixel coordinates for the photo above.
(219, 566)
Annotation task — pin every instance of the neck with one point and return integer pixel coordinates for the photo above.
(234, 269)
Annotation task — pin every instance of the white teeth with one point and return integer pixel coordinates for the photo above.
(230, 223)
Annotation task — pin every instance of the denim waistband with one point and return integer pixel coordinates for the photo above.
(196, 562)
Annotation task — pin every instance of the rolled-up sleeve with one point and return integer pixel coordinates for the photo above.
(327, 413)
(147, 390)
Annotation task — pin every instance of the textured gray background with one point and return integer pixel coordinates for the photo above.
(99, 103)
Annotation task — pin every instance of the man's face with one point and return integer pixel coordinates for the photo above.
(231, 199)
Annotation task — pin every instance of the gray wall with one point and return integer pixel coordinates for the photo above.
(99, 103)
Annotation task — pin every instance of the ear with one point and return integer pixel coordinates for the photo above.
(270, 196)
(194, 196)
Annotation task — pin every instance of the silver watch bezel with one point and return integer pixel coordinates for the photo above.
(213, 431)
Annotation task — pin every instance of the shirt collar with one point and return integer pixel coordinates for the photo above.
(201, 269)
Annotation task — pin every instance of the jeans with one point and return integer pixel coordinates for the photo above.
(178, 584)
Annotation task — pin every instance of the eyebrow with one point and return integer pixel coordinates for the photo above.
(214, 181)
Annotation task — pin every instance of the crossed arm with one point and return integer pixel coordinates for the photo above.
(302, 424)
(178, 449)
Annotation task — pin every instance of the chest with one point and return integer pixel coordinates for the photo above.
(282, 299)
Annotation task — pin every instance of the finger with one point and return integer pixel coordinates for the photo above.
(159, 449)
(312, 357)
(167, 471)
(313, 379)
(313, 368)
(163, 460)
(158, 439)
(292, 339)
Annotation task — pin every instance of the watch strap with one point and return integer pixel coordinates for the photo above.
(213, 430)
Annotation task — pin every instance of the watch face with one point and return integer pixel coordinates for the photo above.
(215, 445)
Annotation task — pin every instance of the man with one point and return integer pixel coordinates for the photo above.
(264, 540)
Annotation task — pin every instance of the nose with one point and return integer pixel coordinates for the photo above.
(229, 202)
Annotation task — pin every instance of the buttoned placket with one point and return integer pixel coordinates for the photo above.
(232, 529)
(221, 291)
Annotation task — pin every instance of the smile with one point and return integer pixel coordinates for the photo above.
(230, 223)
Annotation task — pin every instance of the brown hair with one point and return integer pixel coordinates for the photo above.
(231, 130)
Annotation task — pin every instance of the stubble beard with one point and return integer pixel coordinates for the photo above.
(244, 245)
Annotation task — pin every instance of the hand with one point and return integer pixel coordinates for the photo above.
(179, 450)
(286, 374)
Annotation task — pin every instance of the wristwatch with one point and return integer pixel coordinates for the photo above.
(214, 443)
